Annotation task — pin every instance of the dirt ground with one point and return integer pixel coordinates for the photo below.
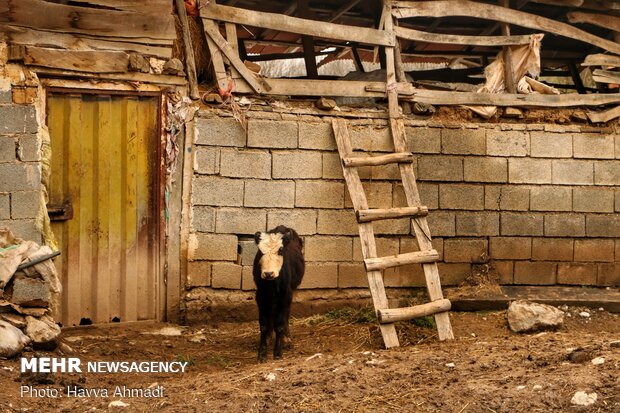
(337, 365)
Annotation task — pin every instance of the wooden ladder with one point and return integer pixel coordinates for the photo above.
(427, 256)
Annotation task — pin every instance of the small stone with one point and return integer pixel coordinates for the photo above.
(118, 403)
(579, 355)
(423, 109)
(601, 309)
(138, 63)
(17, 320)
(579, 116)
(537, 387)
(513, 113)
(520, 387)
(473, 334)
(43, 332)
(270, 377)
(614, 344)
(212, 98)
(584, 314)
(450, 365)
(563, 307)
(524, 316)
(173, 67)
(325, 104)
(64, 348)
(582, 398)
(598, 361)
(169, 331)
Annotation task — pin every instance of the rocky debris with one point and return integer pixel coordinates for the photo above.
(614, 344)
(326, 104)
(139, 63)
(12, 340)
(579, 355)
(173, 67)
(118, 403)
(597, 361)
(524, 316)
(513, 113)
(17, 320)
(584, 314)
(30, 292)
(581, 398)
(43, 331)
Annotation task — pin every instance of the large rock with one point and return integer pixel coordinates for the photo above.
(525, 316)
(12, 340)
(31, 292)
(43, 332)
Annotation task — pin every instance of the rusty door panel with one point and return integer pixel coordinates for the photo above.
(104, 164)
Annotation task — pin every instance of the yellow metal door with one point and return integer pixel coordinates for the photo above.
(103, 205)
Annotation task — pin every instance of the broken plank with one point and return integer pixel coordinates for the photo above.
(43, 15)
(606, 116)
(79, 60)
(190, 62)
(602, 60)
(438, 97)
(297, 25)
(418, 35)
(129, 5)
(465, 8)
(606, 76)
(127, 77)
(605, 21)
(305, 87)
(257, 83)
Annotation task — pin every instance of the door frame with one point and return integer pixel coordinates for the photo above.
(162, 286)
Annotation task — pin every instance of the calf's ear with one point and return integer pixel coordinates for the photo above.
(257, 237)
(286, 237)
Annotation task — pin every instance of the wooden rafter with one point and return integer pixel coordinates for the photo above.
(418, 35)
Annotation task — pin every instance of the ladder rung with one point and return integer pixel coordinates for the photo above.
(418, 257)
(400, 157)
(407, 313)
(367, 215)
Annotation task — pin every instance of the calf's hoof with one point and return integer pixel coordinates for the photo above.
(287, 343)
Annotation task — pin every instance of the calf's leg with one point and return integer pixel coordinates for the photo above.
(266, 327)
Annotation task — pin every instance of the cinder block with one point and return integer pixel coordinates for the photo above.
(594, 250)
(617, 201)
(411, 275)
(240, 220)
(453, 273)
(272, 134)
(545, 198)
(385, 247)
(16, 176)
(464, 197)
(371, 138)
(247, 251)
(465, 250)
(198, 274)
(219, 132)
(29, 148)
(608, 275)
(565, 225)
(245, 164)
(514, 198)
(7, 149)
(337, 222)
(593, 200)
(5, 206)
(593, 146)
(552, 249)
(328, 248)
(212, 247)
(378, 195)
(247, 278)
(535, 273)
(6, 96)
(607, 173)
(207, 160)
(30, 292)
(304, 221)
(505, 271)
(410, 244)
(18, 119)
(529, 171)
(332, 168)
(442, 223)
(440, 168)
(577, 274)
(275, 194)
(393, 227)
(390, 172)
(423, 140)
(521, 224)
(226, 275)
(477, 224)
(551, 145)
(492, 197)
(211, 190)
(319, 194)
(606, 226)
(299, 164)
(316, 136)
(571, 172)
(463, 141)
(25, 204)
(479, 169)
(510, 248)
(429, 195)
(203, 219)
(507, 143)
(23, 228)
(320, 276)
(352, 275)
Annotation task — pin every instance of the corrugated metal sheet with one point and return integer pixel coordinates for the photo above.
(104, 150)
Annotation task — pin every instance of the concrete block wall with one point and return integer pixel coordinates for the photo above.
(536, 201)
(20, 169)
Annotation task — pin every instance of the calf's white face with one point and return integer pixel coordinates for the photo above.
(271, 262)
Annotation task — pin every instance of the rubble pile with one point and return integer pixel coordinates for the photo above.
(29, 296)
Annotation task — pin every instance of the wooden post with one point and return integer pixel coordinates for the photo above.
(308, 42)
(509, 82)
(190, 61)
